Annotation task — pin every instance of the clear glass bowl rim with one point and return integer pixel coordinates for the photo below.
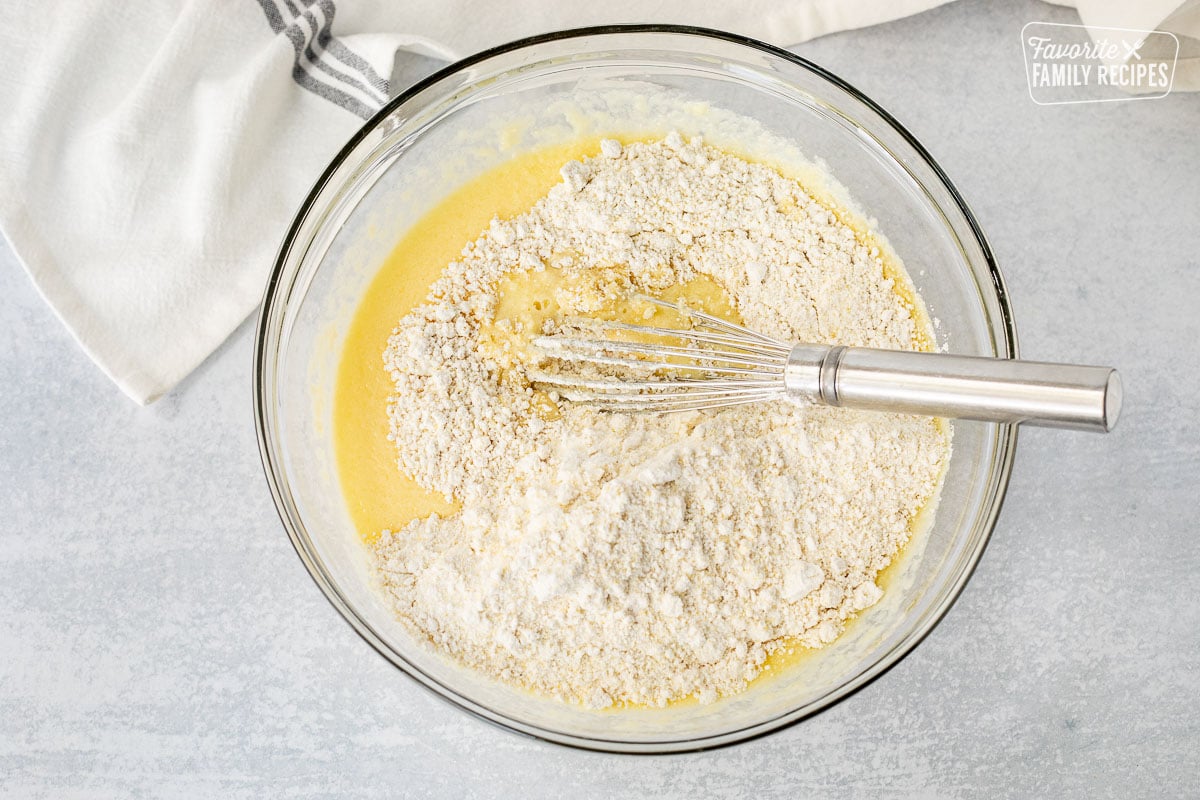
(1004, 332)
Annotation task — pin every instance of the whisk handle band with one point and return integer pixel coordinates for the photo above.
(963, 387)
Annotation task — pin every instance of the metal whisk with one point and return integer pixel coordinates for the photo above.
(714, 363)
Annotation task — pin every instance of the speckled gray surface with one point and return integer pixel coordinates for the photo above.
(158, 636)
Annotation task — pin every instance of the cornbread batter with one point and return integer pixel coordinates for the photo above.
(609, 558)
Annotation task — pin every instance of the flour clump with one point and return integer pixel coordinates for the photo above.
(608, 558)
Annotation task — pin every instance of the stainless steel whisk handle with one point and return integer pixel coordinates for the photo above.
(963, 387)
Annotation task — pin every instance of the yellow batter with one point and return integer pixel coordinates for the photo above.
(378, 495)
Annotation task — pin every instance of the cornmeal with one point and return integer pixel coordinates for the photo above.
(607, 558)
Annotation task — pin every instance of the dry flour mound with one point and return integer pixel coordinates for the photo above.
(612, 558)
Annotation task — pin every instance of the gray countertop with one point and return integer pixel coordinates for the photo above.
(159, 637)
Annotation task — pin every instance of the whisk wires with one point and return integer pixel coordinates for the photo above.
(619, 366)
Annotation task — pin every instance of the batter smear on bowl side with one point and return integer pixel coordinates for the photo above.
(613, 559)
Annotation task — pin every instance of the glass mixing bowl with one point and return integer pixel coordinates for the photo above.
(470, 116)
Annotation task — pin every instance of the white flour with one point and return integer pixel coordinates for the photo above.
(608, 558)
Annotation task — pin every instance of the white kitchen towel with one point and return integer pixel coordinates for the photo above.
(152, 154)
